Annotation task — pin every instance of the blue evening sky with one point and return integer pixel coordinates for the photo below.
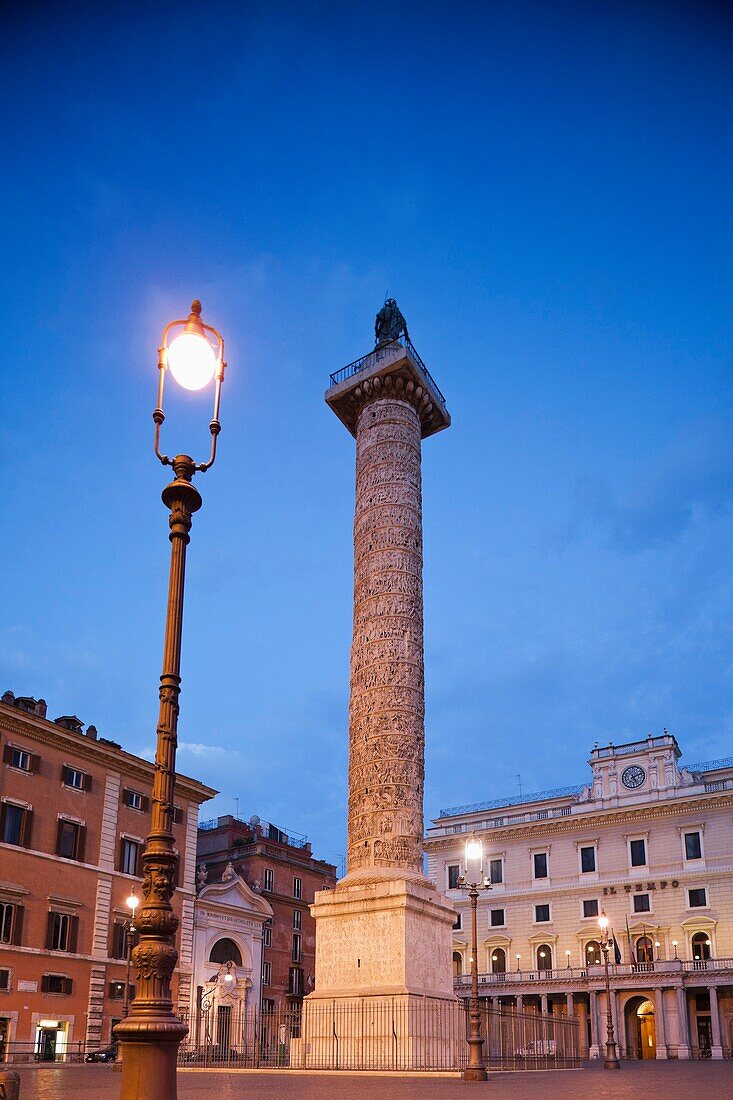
(546, 190)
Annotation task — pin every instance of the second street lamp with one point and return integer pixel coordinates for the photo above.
(611, 1060)
(473, 881)
(130, 930)
(151, 1033)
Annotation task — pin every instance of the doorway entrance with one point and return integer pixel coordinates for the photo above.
(50, 1041)
(641, 1032)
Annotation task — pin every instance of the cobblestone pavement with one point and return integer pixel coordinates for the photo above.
(655, 1081)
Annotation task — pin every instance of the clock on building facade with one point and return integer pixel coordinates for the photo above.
(633, 777)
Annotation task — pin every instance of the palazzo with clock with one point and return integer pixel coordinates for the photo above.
(646, 842)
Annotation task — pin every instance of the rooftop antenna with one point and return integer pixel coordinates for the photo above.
(236, 806)
(519, 781)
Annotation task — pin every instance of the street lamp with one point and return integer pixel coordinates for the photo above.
(518, 961)
(473, 880)
(151, 1033)
(567, 956)
(611, 1060)
(674, 944)
(132, 903)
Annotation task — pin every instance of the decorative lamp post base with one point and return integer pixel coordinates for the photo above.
(611, 1060)
(149, 1055)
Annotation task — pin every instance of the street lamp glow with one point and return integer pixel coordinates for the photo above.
(132, 902)
(603, 922)
(228, 977)
(474, 849)
(192, 359)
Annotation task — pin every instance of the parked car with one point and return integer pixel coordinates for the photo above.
(106, 1054)
(539, 1048)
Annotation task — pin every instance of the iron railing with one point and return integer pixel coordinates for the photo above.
(54, 1053)
(375, 1034)
(663, 967)
(373, 357)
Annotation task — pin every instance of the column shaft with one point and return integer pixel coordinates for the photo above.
(683, 1027)
(717, 1051)
(660, 1024)
(386, 713)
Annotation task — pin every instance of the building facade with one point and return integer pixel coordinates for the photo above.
(282, 869)
(74, 814)
(647, 842)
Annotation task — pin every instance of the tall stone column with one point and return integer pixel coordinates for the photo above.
(385, 931)
(386, 712)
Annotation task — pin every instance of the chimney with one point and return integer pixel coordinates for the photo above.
(92, 732)
(9, 698)
(41, 708)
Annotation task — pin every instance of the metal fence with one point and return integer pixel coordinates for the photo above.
(61, 1054)
(377, 1033)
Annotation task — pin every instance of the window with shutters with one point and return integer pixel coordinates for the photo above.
(61, 932)
(129, 856)
(297, 887)
(56, 983)
(496, 870)
(73, 777)
(69, 844)
(20, 758)
(297, 919)
(177, 815)
(266, 973)
(296, 947)
(10, 922)
(693, 846)
(267, 934)
(135, 800)
(269, 883)
(453, 871)
(15, 823)
(296, 985)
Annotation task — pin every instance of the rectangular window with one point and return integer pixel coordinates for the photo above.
(454, 874)
(698, 898)
(15, 824)
(116, 991)
(4, 981)
(642, 904)
(266, 973)
(541, 913)
(135, 800)
(496, 870)
(637, 849)
(269, 884)
(540, 865)
(693, 846)
(297, 919)
(457, 924)
(268, 1005)
(590, 907)
(587, 859)
(296, 947)
(69, 840)
(296, 986)
(496, 919)
(21, 759)
(72, 777)
(267, 936)
(297, 888)
(119, 941)
(56, 983)
(129, 856)
(7, 919)
(61, 932)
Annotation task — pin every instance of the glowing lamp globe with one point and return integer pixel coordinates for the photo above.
(192, 360)
(133, 902)
(473, 850)
(603, 922)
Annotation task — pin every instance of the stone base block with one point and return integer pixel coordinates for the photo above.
(400, 1032)
(388, 937)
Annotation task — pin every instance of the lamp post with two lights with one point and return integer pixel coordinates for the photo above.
(611, 1060)
(151, 1033)
(473, 880)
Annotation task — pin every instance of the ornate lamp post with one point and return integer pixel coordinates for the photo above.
(611, 1060)
(132, 903)
(473, 881)
(151, 1033)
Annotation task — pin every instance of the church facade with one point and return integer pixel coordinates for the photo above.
(647, 842)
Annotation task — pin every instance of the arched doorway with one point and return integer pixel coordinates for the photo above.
(457, 964)
(641, 1032)
(593, 953)
(544, 957)
(644, 950)
(498, 961)
(701, 947)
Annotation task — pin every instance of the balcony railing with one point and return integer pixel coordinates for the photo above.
(595, 972)
(373, 357)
